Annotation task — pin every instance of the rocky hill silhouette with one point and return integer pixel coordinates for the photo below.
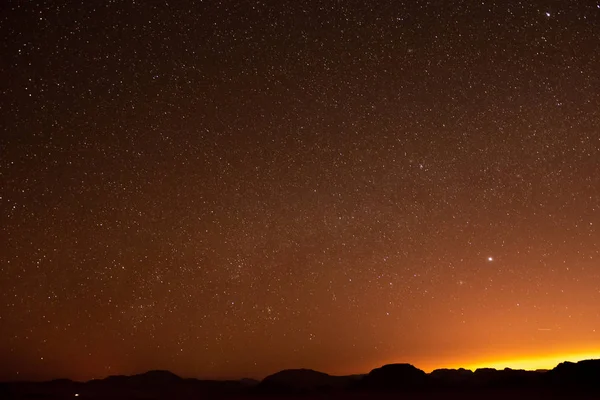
(451, 377)
(394, 377)
(584, 375)
(567, 380)
(149, 385)
(304, 381)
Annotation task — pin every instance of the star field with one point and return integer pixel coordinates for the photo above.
(227, 189)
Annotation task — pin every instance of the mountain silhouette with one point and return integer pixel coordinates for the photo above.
(249, 382)
(150, 378)
(394, 377)
(303, 381)
(567, 380)
(450, 377)
(583, 374)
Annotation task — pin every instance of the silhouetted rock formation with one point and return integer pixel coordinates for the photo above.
(395, 377)
(303, 381)
(147, 379)
(584, 375)
(149, 385)
(249, 382)
(506, 378)
(568, 380)
(450, 377)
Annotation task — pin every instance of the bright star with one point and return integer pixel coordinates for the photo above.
(490, 259)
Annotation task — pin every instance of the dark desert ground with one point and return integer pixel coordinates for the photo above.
(217, 190)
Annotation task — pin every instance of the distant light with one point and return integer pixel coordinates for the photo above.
(547, 14)
(490, 259)
(76, 394)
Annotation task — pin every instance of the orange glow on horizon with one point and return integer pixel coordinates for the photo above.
(526, 362)
(500, 361)
(535, 362)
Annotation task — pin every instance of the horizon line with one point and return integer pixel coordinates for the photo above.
(531, 363)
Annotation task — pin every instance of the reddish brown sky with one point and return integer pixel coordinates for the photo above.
(227, 189)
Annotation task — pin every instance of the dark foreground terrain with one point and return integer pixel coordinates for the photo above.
(396, 381)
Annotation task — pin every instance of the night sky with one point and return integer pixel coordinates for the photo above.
(231, 188)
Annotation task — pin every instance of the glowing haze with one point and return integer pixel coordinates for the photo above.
(228, 189)
(535, 363)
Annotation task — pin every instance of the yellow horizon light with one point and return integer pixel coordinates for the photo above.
(533, 363)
